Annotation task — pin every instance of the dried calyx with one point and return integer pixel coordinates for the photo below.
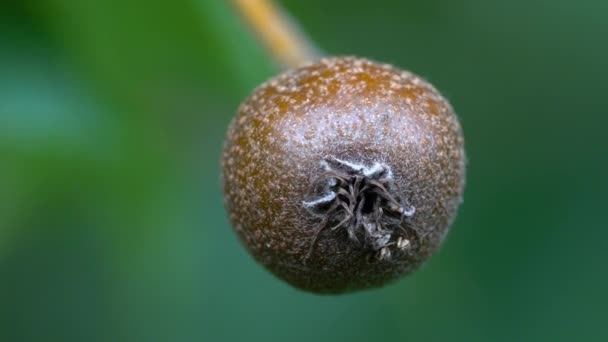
(364, 202)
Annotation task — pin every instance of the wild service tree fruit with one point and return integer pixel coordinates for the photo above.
(344, 174)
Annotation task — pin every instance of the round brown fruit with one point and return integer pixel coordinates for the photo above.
(344, 174)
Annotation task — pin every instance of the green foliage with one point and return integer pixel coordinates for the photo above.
(112, 115)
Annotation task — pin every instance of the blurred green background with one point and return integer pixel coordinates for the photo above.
(112, 228)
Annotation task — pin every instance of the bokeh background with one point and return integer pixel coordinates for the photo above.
(112, 227)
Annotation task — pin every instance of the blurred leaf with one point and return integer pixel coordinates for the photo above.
(112, 116)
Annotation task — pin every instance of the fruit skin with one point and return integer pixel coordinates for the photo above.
(350, 109)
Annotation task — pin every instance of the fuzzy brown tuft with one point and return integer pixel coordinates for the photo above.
(364, 203)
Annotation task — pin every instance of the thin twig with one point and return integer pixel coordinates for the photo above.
(279, 33)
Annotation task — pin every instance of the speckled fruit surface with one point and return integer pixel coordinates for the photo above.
(344, 174)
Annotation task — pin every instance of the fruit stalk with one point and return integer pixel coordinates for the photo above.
(278, 32)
